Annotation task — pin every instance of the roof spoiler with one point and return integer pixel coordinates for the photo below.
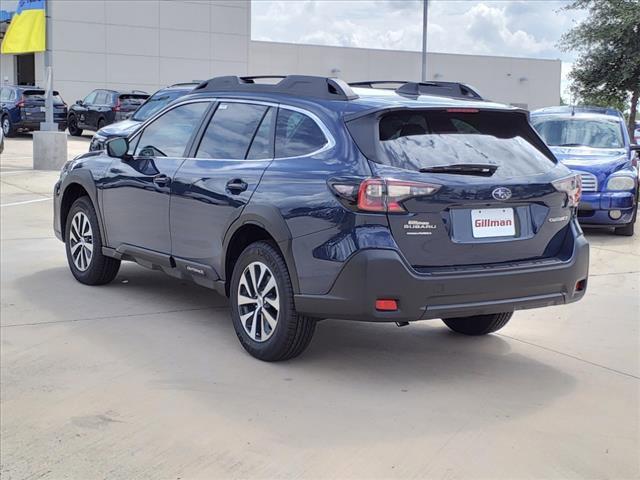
(414, 89)
(326, 88)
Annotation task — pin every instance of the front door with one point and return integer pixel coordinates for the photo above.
(137, 191)
(81, 109)
(212, 187)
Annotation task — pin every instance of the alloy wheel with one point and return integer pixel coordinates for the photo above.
(81, 241)
(6, 126)
(258, 301)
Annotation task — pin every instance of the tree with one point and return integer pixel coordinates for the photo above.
(607, 70)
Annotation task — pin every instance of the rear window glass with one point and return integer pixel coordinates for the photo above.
(136, 99)
(297, 134)
(414, 140)
(40, 95)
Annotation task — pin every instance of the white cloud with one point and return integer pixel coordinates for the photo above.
(522, 28)
(514, 28)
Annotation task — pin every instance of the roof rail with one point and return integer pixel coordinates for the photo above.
(326, 88)
(186, 84)
(379, 84)
(443, 89)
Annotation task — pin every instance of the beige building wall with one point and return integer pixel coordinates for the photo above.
(142, 44)
(529, 82)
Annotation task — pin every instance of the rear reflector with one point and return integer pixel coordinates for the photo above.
(386, 305)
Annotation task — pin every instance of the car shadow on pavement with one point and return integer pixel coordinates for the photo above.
(184, 332)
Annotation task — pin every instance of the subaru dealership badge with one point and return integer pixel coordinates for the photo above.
(501, 193)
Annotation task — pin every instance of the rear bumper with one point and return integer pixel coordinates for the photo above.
(32, 125)
(595, 207)
(383, 274)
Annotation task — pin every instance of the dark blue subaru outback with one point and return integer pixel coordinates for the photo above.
(310, 198)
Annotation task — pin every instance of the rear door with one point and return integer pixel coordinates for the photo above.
(81, 111)
(495, 201)
(212, 186)
(100, 110)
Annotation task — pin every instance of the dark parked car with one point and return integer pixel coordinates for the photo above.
(155, 102)
(103, 107)
(594, 142)
(310, 199)
(21, 109)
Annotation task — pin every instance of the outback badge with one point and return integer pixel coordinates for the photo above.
(501, 193)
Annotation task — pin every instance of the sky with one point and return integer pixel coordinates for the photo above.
(521, 28)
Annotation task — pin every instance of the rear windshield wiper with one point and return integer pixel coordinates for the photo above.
(477, 169)
(572, 145)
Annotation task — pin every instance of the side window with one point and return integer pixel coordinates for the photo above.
(262, 144)
(230, 131)
(101, 98)
(4, 94)
(168, 135)
(90, 99)
(297, 134)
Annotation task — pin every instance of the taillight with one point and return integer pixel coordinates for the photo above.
(572, 186)
(117, 106)
(20, 102)
(381, 195)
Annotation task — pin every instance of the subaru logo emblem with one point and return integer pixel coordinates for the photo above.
(501, 193)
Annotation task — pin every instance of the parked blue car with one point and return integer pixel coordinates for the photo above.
(21, 109)
(594, 142)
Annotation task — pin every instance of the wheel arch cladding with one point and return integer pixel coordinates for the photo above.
(77, 187)
(245, 234)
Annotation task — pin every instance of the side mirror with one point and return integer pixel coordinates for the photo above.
(79, 102)
(117, 147)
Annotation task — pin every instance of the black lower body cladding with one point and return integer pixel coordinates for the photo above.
(374, 274)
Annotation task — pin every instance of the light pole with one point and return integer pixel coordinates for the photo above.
(49, 124)
(425, 9)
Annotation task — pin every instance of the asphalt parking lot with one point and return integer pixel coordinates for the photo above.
(144, 378)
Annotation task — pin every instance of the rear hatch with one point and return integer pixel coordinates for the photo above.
(493, 201)
(33, 103)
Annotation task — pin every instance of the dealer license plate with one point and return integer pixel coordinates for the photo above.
(493, 222)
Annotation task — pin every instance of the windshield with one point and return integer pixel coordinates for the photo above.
(422, 140)
(579, 132)
(155, 103)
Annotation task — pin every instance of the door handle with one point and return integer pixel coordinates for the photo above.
(237, 185)
(161, 180)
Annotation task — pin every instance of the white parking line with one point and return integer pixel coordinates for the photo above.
(25, 202)
(14, 172)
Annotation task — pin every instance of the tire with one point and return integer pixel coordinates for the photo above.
(291, 333)
(8, 128)
(478, 324)
(100, 124)
(86, 261)
(72, 126)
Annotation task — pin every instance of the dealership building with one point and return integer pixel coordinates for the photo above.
(148, 44)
